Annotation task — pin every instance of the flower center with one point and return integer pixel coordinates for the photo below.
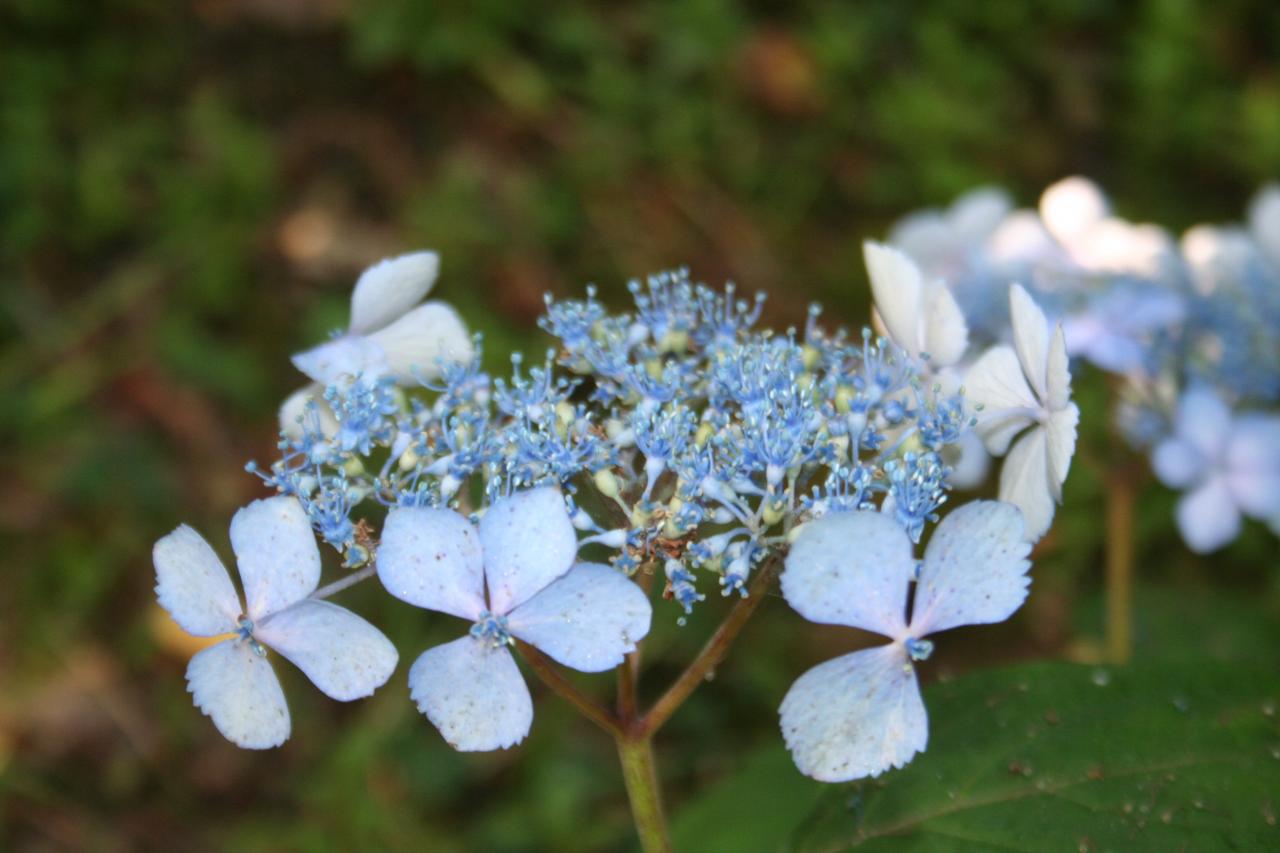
(919, 649)
(244, 631)
(492, 629)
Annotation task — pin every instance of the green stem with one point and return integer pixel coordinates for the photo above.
(633, 732)
(588, 707)
(713, 652)
(1120, 506)
(342, 583)
(640, 773)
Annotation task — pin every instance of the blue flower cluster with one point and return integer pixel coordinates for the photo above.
(686, 440)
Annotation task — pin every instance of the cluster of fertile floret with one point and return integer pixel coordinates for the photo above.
(681, 435)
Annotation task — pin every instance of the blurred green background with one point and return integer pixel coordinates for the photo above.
(188, 189)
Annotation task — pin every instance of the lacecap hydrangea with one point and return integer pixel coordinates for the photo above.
(648, 462)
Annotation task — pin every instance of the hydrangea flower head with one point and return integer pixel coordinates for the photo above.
(1264, 222)
(1228, 466)
(279, 562)
(861, 714)
(1026, 389)
(1119, 327)
(512, 576)
(945, 242)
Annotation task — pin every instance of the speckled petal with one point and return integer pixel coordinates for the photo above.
(855, 716)
(587, 619)
(851, 568)
(238, 690)
(974, 571)
(193, 586)
(277, 554)
(528, 542)
(473, 693)
(431, 558)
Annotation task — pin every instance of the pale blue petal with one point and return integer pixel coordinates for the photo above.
(389, 288)
(855, 716)
(1060, 444)
(997, 390)
(1030, 338)
(528, 541)
(1203, 421)
(1253, 463)
(974, 571)
(347, 357)
(1024, 482)
(1208, 517)
(1177, 463)
(1117, 354)
(969, 460)
(418, 342)
(238, 690)
(473, 693)
(431, 558)
(193, 586)
(851, 568)
(587, 619)
(342, 654)
(277, 554)
(977, 213)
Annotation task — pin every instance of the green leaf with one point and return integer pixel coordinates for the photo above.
(1176, 756)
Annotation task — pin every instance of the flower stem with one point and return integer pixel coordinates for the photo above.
(639, 771)
(588, 707)
(1120, 506)
(632, 732)
(341, 584)
(713, 652)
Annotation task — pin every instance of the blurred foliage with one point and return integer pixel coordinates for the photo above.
(188, 189)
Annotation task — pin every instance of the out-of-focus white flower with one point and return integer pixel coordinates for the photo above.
(1026, 389)
(390, 334)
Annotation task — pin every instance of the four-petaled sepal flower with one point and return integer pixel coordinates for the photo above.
(584, 615)
(279, 562)
(861, 714)
(1228, 465)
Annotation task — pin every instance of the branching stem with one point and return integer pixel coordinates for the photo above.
(713, 652)
(342, 583)
(551, 676)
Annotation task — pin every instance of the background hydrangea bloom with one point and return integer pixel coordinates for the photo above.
(279, 562)
(1227, 465)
